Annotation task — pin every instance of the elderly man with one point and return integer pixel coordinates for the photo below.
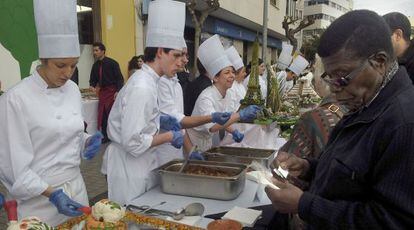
(364, 177)
(401, 31)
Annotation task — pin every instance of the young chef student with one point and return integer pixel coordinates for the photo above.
(215, 98)
(42, 139)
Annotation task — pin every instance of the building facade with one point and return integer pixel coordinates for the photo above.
(324, 12)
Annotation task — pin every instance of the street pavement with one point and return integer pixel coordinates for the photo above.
(95, 183)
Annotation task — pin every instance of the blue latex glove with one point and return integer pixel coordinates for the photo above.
(237, 136)
(64, 204)
(1, 200)
(169, 123)
(196, 155)
(93, 144)
(178, 139)
(249, 113)
(220, 118)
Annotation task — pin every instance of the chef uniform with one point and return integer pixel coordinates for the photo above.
(297, 66)
(42, 134)
(238, 91)
(171, 102)
(214, 59)
(135, 116)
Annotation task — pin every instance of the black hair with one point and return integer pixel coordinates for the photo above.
(150, 53)
(133, 63)
(361, 33)
(396, 20)
(201, 68)
(100, 45)
(141, 57)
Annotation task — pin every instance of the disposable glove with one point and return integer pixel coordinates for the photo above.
(92, 146)
(237, 136)
(1, 200)
(249, 113)
(64, 204)
(169, 123)
(196, 155)
(220, 118)
(178, 139)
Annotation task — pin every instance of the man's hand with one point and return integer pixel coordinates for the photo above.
(286, 199)
(92, 146)
(295, 165)
(64, 204)
(237, 136)
(169, 123)
(220, 118)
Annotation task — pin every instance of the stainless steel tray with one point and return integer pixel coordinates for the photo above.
(240, 155)
(214, 187)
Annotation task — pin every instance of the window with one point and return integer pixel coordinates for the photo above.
(275, 3)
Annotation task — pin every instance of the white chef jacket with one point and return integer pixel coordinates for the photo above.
(132, 123)
(237, 92)
(171, 101)
(41, 140)
(284, 85)
(209, 101)
(262, 83)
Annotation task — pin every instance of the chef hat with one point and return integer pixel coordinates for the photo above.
(234, 58)
(166, 20)
(285, 56)
(212, 56)
(57, 28)
(298, 65)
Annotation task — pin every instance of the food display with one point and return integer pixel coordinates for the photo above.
(224, 180)
(208, 171)
(224, 225)
(30, 223)
(106, 215)
(88, 94)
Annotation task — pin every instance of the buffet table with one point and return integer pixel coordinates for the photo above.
(90, 114)
(256, 136)
(174, 202)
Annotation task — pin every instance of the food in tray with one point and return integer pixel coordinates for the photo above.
(224, 225)
(208, 171)
(28, 224)
(106, 215)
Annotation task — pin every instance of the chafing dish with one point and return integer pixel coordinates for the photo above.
(220, 187)
(240, 155)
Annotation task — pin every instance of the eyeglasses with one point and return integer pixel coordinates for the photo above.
(343, 81)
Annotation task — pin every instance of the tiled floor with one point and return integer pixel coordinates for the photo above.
(94, 180)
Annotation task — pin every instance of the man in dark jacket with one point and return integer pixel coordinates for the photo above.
(106, 80)
(364, 177)
(404, 48)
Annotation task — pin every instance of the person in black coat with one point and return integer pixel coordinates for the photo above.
(194, 89)
(363, 178)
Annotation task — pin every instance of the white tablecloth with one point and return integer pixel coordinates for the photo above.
(256, 136)
(90, 115)
(174, 202)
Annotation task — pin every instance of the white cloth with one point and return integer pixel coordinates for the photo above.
(255, 136)
(57, 28)
(237, 92)
(132, 123)
(262, 83)
(170, 97)
(162, 31)
(212, 56)
(41, 140)
(209, 101)
(90, 115)
(234, 58)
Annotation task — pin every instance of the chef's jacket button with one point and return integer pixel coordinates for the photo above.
(58, 117)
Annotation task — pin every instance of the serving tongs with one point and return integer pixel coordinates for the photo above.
(187, 159)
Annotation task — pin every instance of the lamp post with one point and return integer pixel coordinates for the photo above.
(264, 43)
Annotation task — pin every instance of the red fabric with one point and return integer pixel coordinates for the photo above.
(106, 100)
(11, 209)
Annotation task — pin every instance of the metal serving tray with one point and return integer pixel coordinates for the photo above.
(214, 187)
(240, 155)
